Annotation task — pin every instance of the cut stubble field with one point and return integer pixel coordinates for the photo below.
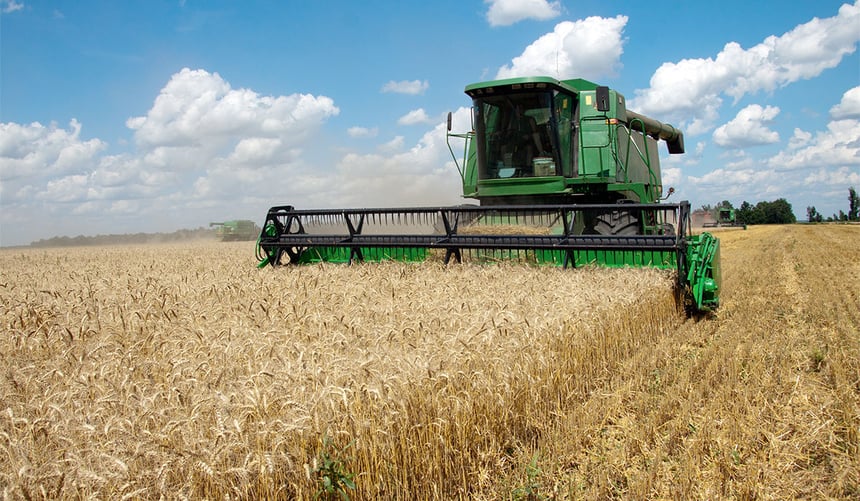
(185, 372)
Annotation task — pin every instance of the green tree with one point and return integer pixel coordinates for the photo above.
(777, 212)
(853, 205)
(812, 215)
(744, 213)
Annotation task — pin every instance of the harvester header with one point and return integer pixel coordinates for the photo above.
(563, 173)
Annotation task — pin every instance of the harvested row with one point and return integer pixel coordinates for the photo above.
(761, 401)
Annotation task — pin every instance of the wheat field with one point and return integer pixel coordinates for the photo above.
(183, 372)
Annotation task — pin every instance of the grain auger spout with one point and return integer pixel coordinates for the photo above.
(564, 175)
(674, 137)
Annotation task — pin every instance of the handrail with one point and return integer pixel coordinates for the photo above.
(646, 159)
(467, 136)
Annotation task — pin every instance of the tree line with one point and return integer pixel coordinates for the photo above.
(813, 216)
(126, 239)
(779, 211)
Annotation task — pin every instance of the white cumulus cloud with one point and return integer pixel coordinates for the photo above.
(202, 144)
(746, 183)
(748, 128)
(251, 150)
(38, 150)
(392, 146)
(849, 106)
(841, 177)
(422, 175)
(838, 146)
(508, 12)
(9, 6)
(414, 117)
(690, 91)
(588, 48)
(412, 87)
(799, 139)
(200, 109)
(362, 131)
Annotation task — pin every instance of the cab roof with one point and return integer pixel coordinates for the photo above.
(573, 86)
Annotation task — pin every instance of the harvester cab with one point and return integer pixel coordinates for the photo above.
(537, 140)
(563, 173)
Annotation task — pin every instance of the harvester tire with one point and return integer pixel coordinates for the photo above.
(616, 222)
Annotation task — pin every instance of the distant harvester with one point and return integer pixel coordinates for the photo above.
(231, 231)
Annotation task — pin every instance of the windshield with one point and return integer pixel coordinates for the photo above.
(516, 137)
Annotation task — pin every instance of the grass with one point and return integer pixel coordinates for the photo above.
(184, 372)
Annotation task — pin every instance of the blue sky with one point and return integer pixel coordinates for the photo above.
(144, 116)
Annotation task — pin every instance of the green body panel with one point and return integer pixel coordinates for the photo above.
(532, 186)
(611, 259)
(704, 276)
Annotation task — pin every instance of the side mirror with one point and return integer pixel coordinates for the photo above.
(449, 121)
(602, 96)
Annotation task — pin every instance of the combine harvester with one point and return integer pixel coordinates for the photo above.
(231, 231)
(726, 218)
(564, 174)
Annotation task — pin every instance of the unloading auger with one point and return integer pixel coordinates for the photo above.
(564, 175)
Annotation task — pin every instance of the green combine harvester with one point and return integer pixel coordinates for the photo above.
(725, 218)
(564, 175)
(232, 231)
